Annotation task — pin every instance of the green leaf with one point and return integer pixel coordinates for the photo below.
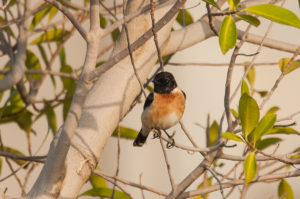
(250, 167)
(51, 117)
(233, 3)
(250, 19)
(213, 133)
(273, 109)
(234, 113)
(188, 19)
(275, 13)
(100, 63)
(126, 133)
(66, 81)
(45, 59)
(207, 183)
(232, 136)
(97, 181)
(262, 93)
(115, 33)
(265, 143)
(62, 56)
(17, 152)
(244, 88)
(32, 62)
(52, 13)
(227, 34)
(67, 103)
(2, 22)
(65, 68)
(293, 65)
(103, 22)
(249, 114)
(251, 73)
(285, 191)
(149, 88)
(38, 17)
(264, 125)
(213, 3)
(24, 120)
(43, 53)
(55, 34)
(283, 130)
(105, 192)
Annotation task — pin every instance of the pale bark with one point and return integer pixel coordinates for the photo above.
(16, 72)
(108, 101)
(50, 180)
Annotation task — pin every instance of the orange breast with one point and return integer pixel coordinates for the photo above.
(163, 105)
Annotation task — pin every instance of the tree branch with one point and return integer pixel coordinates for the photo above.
(53, 172)
(70, 16)
(240, 182)
(16, 72)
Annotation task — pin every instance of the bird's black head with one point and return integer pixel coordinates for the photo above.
(164, 82)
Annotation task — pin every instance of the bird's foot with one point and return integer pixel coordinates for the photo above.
(156, 134)
(171, 141)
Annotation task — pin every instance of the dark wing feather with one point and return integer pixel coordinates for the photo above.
(183, 94)
(149, 100)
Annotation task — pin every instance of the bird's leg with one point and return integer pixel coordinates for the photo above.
(156, 133)
(170, 144)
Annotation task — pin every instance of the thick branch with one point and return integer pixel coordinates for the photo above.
(16, 72)
(138, 43)
(52, 175)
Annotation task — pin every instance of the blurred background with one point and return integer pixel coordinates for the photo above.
(204, 87)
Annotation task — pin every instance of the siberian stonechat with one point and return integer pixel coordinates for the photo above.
(163, 108)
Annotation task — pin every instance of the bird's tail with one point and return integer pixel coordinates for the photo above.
(141, 138)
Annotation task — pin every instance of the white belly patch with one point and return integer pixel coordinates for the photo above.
(169, 121)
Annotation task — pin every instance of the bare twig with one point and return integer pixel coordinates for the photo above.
(118, 163)
(147, 35)
(228, 80)
(102, 174)
(70, 16)
(167, 164)
(270, 93)
(210, 19)
(240, 182)
(221, 64)
(142, 191)
(155, 35)
(39, 159)
(131, 56)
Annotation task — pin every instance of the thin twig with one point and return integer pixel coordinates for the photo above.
(70, 16)
(240, 182)
(228, 80)
(142, 191)
(167, 164)
(12, 169)
(221, 64)
(131, 56)
(155, 35)
(118, 163)
(218, 180)
(135, 45)
(210, 19)
(103, 174)
(270, 93)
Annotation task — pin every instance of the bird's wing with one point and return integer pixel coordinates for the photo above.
(149, 100)
(183, 94)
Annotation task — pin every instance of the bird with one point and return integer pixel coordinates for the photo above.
(163, 108)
